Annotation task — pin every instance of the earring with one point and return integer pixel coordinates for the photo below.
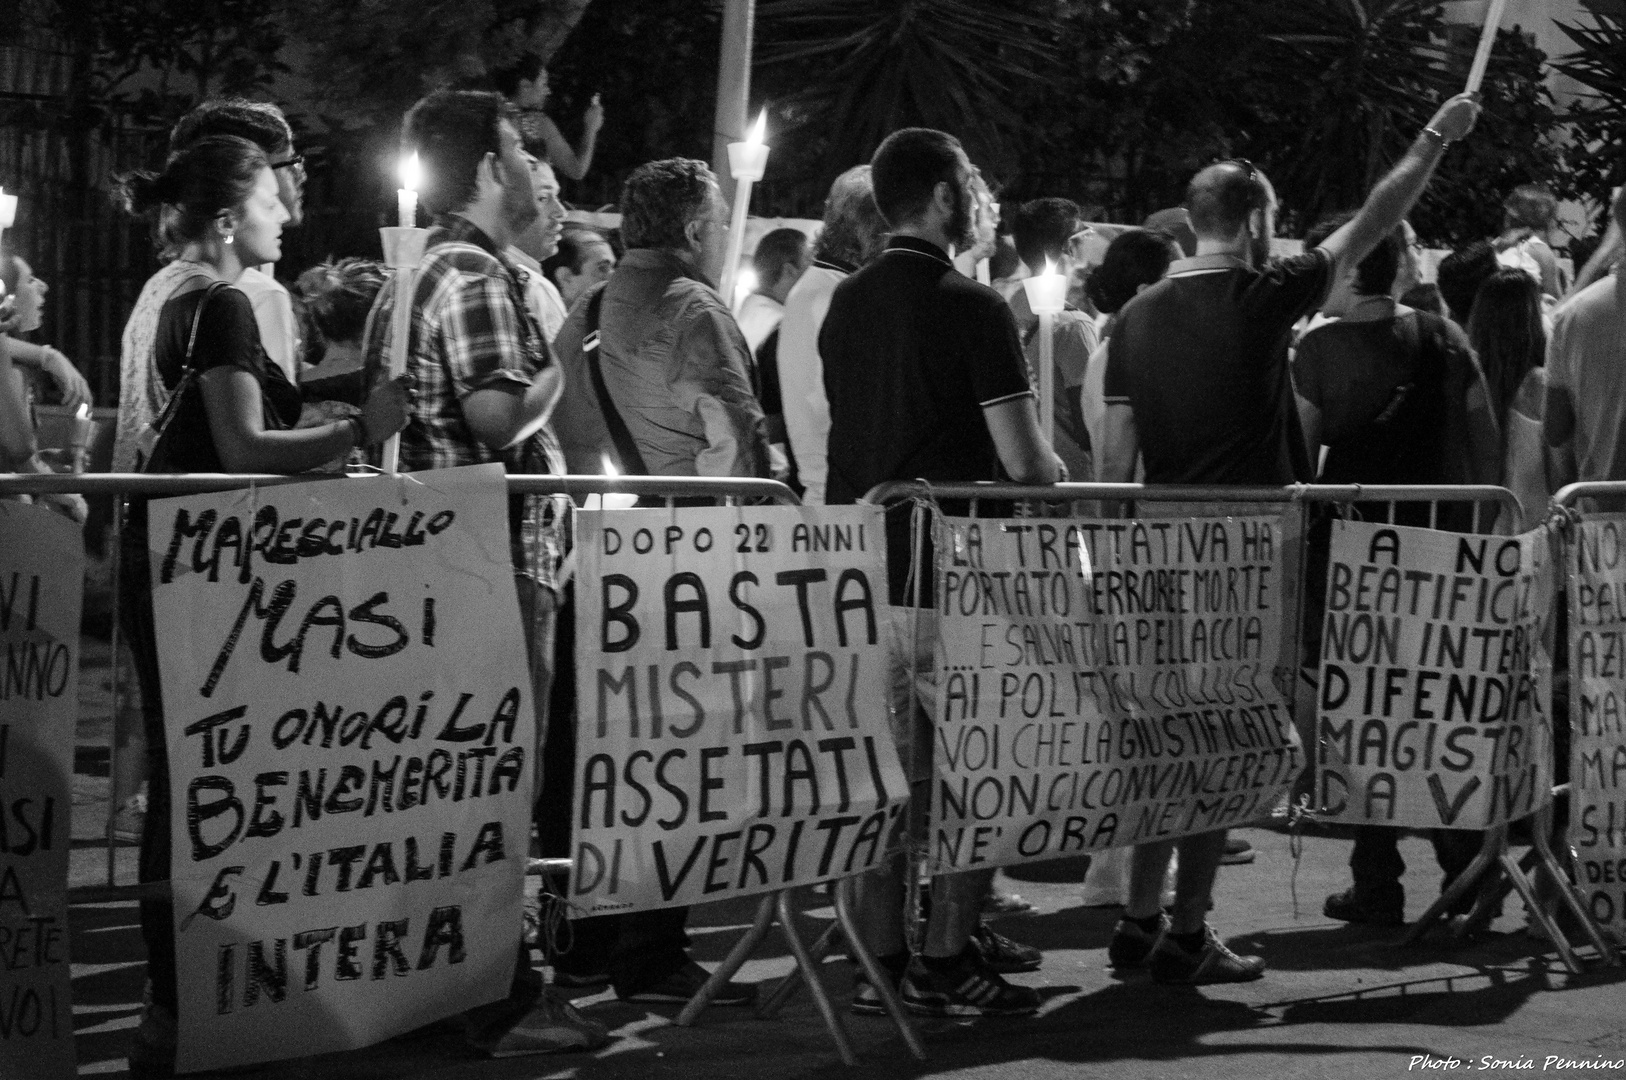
(228, 238)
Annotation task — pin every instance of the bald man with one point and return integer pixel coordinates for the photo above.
(1197, 384)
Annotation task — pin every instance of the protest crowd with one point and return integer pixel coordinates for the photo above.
(867, 353)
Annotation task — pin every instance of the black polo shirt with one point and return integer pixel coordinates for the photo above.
(1202, 358)
(913, 352)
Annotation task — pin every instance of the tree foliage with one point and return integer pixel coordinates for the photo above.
(1597, 154)
(374, 58)
(861, 69)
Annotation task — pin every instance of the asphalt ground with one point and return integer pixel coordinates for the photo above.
(1338, 1001)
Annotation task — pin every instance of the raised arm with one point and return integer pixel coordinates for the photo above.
(1394, 196)
(561, 155)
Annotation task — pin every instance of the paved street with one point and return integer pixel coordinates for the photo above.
(1338, 1001)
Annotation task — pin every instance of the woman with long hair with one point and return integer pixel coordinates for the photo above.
(1509, 336)
(217, 205)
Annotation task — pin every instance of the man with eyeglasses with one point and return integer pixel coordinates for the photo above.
(1197, 385)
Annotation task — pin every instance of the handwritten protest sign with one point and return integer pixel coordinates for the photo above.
(1105, 683)
(1436, 678)
(1598, 714)
(351, 751)
(41, 586)
(733, 732)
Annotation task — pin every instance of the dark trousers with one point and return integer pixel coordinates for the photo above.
(158, 916)
(1376, 865)
(637, 950)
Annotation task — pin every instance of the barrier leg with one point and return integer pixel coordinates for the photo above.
(832, 1019)
(731, 963)
(117, 696)
(790, 983)
(1566, 891)
(1510, 866)
(877, 977)
(1495, 844)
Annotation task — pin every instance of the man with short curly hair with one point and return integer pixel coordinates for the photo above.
(675, 366)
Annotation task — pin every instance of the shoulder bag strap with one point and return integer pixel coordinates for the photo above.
(625, 445)
(188, 373)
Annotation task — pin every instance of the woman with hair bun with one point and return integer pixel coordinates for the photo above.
(217, 205)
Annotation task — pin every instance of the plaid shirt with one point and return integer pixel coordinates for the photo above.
(471, 331)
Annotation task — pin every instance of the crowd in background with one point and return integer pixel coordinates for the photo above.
(865, 353)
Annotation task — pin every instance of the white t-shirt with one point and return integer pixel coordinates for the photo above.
(801, 376)
(542, 297)
(274, 314)
(758, 316)
(141, 394)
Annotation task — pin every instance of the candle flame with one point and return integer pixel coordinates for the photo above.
(411, 172)
(1049, 266)
(609, 466)
(761, 129)
(83, 412)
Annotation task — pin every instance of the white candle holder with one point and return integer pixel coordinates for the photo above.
(748, 161)
(1047, 293)
(403, 253)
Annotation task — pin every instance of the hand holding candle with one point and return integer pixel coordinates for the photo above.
(747, 162)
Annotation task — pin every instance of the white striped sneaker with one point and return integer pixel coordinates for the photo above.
(969, 988)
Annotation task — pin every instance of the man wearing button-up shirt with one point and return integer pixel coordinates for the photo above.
(675, 364)
(487, 386)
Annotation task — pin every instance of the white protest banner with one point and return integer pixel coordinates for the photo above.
(351, 742)
(1436, 678)
(732, 735)
(1598, 714)
(42, 570)
(1104, 683)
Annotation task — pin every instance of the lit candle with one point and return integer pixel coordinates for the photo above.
(747, 161)
(83, 428)
(8, 210)
(610, 500)
(1047, 296)
(1487, 41)
(403, 251)
(406, 197)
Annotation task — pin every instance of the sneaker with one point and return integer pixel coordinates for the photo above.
(1130, 945)
(1349, 907)
(1213, 963)
(968, 988)
(1003, 955)
(1238, 852)
(553, 1026)
(684, 983)
(130, 819)
(572, 980)
(866, 999)
(152, 1054)
(1005, 903)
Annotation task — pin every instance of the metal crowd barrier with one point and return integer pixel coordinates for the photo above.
(1494, 507)
(774, 906)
